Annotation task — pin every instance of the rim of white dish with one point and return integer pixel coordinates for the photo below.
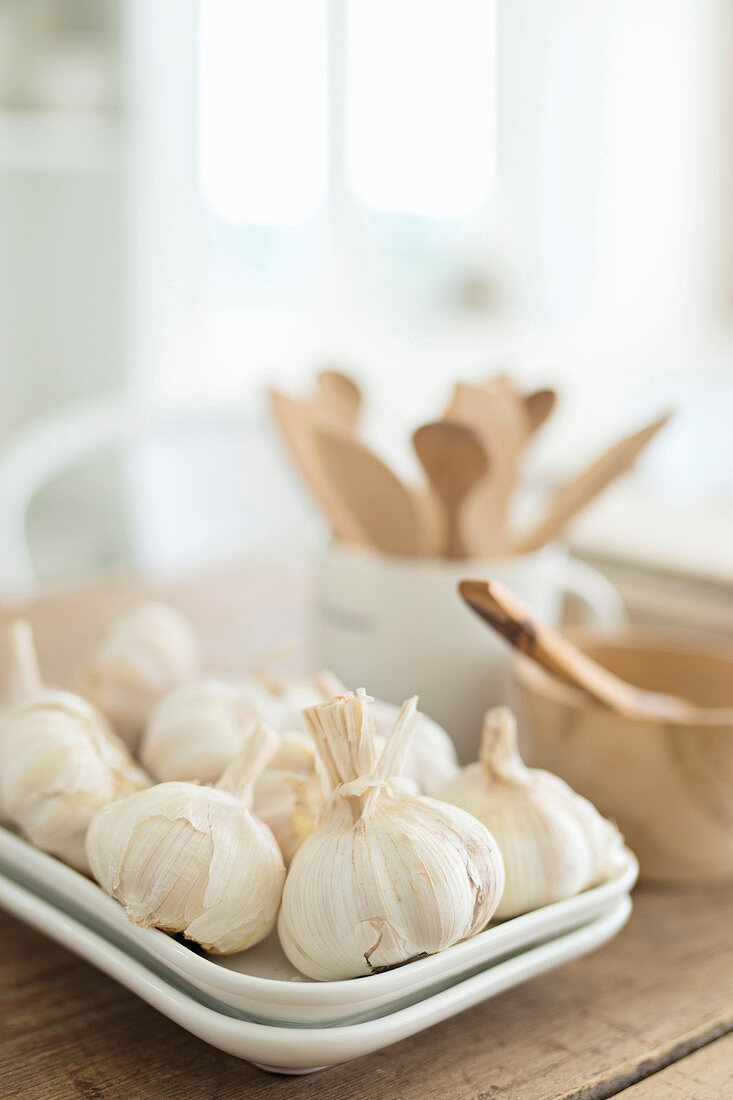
(214, 1026)
(284, 991)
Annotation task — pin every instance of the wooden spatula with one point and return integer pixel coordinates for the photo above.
(492, 409)
(297, 422)
(495, 413)
(340, 396)
(455, 460)
(538, 406)
(534, 407)
(501, 609)
(579, 492)
(384, 509)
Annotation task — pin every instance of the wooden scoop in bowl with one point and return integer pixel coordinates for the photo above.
(515, 622)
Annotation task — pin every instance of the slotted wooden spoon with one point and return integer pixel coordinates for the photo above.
(501, 609)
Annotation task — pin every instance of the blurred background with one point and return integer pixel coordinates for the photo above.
(201, 198)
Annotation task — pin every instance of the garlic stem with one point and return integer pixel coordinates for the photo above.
(499, 753)
(394, 754)
(350, 757)
(241, 774)
(24, 679)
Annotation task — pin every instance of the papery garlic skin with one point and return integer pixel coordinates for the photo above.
(193, 859)
(196, 730)
(554, 842)
(431, 760)
(609, 855)
(385, 876)
(142, 656)
(353, 904)
(59, 765)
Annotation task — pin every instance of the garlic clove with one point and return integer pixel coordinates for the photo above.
(385, 876)
(59, 761)
(194, 859)
(554, 843)
(142, 656)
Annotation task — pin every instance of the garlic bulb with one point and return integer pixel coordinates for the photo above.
(289, 792)
(431, 760)
(196, 730)
(59, 761)
(385, 876)
(193, 859)
(554, 842)
(144, 654)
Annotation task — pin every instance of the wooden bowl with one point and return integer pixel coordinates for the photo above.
(668, 784)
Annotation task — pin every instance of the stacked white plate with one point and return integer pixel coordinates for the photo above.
(256, 1006)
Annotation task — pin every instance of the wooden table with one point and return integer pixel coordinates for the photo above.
(649, 1015)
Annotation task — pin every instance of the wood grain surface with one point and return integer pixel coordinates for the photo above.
(632, 1014)
(706, 1073)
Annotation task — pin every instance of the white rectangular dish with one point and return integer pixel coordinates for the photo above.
(261, 983)
(301, 1049)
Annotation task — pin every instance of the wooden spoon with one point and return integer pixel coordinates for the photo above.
(340, 396)
(455, 460)
(509, 617)
(383, 508)
(298, 422)
(579, 492)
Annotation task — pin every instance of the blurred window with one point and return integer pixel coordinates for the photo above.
(367, 129)
(420, 105)
(262, 102)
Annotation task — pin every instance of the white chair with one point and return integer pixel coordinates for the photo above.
(222, 452)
